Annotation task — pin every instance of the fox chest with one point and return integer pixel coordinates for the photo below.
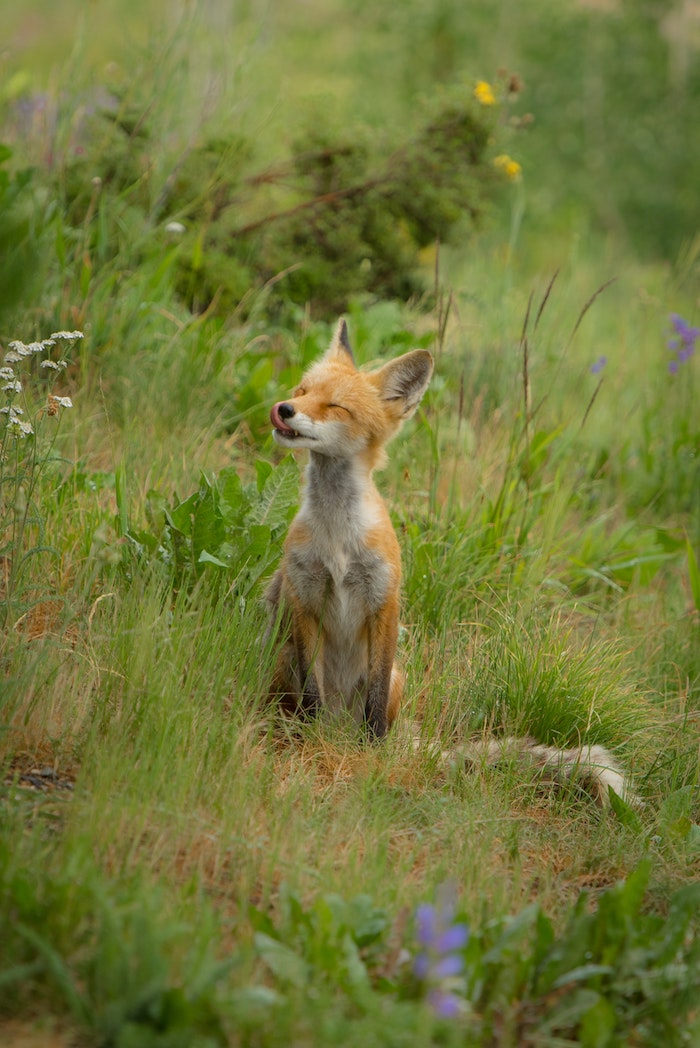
(340, 588)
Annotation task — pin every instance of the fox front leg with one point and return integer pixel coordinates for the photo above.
(305, 635)
(383, 637)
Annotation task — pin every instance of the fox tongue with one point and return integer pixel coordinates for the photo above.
(280, 424)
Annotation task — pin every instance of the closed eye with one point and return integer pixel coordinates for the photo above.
(341, 408)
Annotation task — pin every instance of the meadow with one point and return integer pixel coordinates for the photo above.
(189, 197)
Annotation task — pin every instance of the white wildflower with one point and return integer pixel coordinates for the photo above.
(21, 349)
(12, 387)
(6, 374)
(49, 364)
(63, 402)
(12, 357)
(23, 429)
(175, 227)
(12, 410)
(69, 336)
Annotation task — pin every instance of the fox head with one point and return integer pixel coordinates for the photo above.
(342, 412)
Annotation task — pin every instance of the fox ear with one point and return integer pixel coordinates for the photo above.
(340, 346)
(406, 379)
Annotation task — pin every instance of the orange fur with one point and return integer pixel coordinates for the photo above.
(338, 584)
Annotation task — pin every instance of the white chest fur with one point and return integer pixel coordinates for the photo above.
(339, 577)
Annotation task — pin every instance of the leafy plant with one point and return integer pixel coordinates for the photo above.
(228, 529)
(614, 972)
(334, 941)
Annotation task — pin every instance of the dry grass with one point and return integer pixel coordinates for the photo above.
(42, 1033)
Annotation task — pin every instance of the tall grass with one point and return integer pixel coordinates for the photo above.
(178, 868)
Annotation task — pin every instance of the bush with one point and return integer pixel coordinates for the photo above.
(337, 219)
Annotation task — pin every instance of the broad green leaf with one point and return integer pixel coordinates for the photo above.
(232, 501)
(581, 974)
(207, 527)
(263, 470)
(180, 518)
(598, 1025)
(209, 558)
(630, 894)
(353, 965)
(278, 496)
(367, 922)
(256, 1001)
(282, 962)
(624, 811)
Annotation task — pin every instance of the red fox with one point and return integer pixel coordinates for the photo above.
(336, 591)
(339, 580)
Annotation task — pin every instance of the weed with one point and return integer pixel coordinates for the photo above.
(226, 528)
(27, 439)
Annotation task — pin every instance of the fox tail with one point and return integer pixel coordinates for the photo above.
(593, 767)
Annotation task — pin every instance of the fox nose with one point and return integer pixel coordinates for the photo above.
(280, 413)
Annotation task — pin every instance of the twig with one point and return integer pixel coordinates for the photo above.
(325, 198)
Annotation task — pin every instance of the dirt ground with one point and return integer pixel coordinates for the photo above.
(39, 1033)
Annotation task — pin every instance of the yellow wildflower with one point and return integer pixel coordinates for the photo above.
(510, 168)
(483, 92)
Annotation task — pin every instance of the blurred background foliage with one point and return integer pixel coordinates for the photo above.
(604, 128)
(613, 86)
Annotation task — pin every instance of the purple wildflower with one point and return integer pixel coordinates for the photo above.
(446, 1005)
(453, 938)
(447, 967)
(682, 344)
(683, 328)
(439, 963)
(426, 924)
(599, 365)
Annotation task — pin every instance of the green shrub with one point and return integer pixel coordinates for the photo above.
(338, 218)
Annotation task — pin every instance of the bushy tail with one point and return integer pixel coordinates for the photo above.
(593, 767)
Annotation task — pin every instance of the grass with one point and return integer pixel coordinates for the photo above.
(175, 870)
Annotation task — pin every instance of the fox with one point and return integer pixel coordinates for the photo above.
(338, 584)
(335, 596)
